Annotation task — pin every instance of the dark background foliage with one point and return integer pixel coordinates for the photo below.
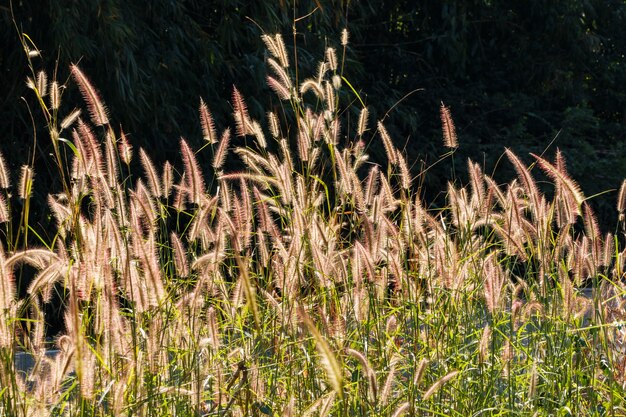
(532, 75)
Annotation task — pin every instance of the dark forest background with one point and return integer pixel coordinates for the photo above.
(532, 75)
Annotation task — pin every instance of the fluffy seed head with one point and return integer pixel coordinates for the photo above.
(276, 46)
(344, 37)
(125, 149)
(206, 121)
(389, 148)
(621, 201)
(55, 95)
(331, 58)
(435, 387)
(26, 182)
(97, 110)
(447, 125)
(362, 127)
(4, 174)
(70, 119)
(42, 83)
(274, 125)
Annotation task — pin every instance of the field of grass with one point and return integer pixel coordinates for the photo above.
(309, 283)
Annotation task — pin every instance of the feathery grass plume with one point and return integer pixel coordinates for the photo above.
(70, 119)
(257, 131)
(116, 242)
(437, 385)
(167, 179)
(344, 37)
(274, 124)
(405, 175)
(493, 285)
(244, 273)
(344, 183)
(240, 113)
(402, 409)
(220, 155)
(388, 143)
(385, 393)
(621, 201)
(4, 174)
(38, 258)
(483, 345)
(371, 185)
(207, 123)
(241, 220)
(247, 212)
(180, 257)
(330, 96)
(4, 210)
(256, 163)
(289, 409)
(147, 254)
(199, 226)
(151, 175)
(60, 210)
(125, 149)
(93, 153)
(283, 77)
(112, 162)
(31, 84)
(478, 185)
(266, 224)
(567, 293)
(527, 180)
(42, 83)
(55, 95)
(592, 229)
(25, 186)
(322, 69)
(143, 199)
(316, 87)
(331, 58)
(532, 384)
(363, 118)
(44, 281)
(7, 286)
(322, 401)
(81, 159)
(195, 182)
(281, 91)
(562, 180)
(262, 180)
(327, 404)
(329, 360)
(447, 126)
(212, 329)
(372, 384)
(506, 356)
(98, 112)
(276, 46)
(608, 250)
(336, 80)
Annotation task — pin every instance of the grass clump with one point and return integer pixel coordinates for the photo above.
(310, 282)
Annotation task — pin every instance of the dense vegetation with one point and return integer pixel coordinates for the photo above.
(310, 282)
(310, 245)
(531, 76)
